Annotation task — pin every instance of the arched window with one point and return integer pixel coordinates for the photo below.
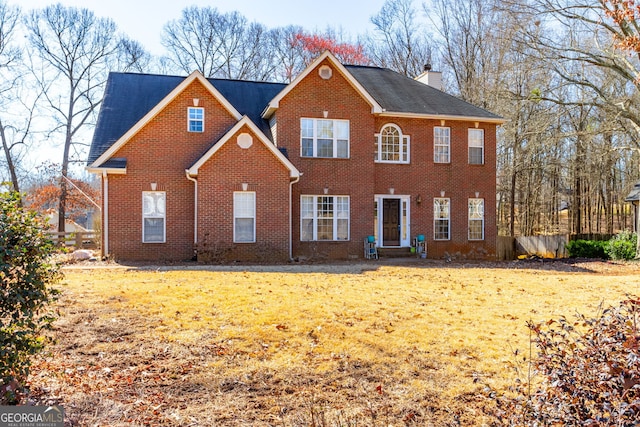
(391, 145)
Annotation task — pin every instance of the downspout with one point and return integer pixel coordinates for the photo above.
(195, 210)
(105, 213)
(290, 216)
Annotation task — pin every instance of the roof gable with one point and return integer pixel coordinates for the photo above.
(132, 100)
(245, 121)
(275, 102)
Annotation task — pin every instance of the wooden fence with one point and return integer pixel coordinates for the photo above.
(77, 239)
(553, 246)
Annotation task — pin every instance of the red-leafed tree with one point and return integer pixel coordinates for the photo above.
(82, 197)
(313, 45)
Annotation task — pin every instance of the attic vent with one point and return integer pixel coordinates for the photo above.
(325, 72)
(245, 141)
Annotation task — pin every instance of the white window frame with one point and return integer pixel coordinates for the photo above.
(313, 133)
(476, 214)
(476, 141)
(154, 207)
(403, 145)
(196, 118)
(441, 213)
(441, 142)
(310, 210)
(244, 207)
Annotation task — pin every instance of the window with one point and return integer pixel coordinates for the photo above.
(476, 146)
(476, 219)
(153, 216)
(196, 119)
(441, 144)
(441, 215)
(324, 138)
(244, 217)
(324, 218)
(391, 145)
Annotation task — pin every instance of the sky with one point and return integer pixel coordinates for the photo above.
(142, 20)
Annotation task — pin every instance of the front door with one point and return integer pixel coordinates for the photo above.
(391, 222)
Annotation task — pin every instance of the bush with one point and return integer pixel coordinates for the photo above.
(590, 372)
(26, 276)
(587, 249)
(622, 246)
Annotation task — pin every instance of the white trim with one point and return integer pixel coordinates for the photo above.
(293, 171)
(275, 102)
(235, 217)
(469, 219)
(196, 75)
(405, 222)
(189, 119)
(405, 142)
(335, 218)
(164, 218)
(195, 209)
(291, 216)
(497, 121)
(105, 213)
(435, 143)
(112, 171)
(436, 219)
(334, 139)
(469, 146)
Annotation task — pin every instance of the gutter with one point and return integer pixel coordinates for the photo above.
(291, 215)
(105, 213)
(195, 209)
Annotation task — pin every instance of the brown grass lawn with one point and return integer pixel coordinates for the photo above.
(364, 344)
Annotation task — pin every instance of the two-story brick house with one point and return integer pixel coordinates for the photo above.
(252, 171)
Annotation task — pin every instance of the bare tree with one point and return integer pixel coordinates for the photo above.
(286, 52)
(398, 42)
(217, 44)
(74, 48)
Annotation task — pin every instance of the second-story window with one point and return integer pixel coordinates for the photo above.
(441, 145)
(195, 120)
(476, 146)
(391, 145)
(324, 138)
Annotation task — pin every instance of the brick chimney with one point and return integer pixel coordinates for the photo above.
(431, 78)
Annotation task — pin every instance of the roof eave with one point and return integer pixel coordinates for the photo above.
(110, 171)
(496, 120)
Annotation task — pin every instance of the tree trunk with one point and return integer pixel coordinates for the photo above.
(10, 163)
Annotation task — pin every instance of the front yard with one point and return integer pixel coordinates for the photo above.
(423, 343)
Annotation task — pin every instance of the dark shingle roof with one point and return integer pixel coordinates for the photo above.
(634, 195)
(400, 94)
(128, 97)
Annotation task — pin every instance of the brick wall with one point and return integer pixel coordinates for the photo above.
(218, 178)
(353, 177)
(160, 153)
(361, 178)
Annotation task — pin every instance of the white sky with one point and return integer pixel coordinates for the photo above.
(142, 20)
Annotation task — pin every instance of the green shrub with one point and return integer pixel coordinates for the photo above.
(622, 246)
(587, 249)
(26, 276)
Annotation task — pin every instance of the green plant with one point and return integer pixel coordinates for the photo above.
(587, 249)
(26, 276)
(622, 246)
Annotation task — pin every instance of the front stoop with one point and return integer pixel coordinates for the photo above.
(395, 253)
